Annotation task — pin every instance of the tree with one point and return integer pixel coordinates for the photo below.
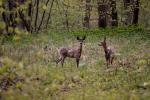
(102, 13)
(132, 11)
(15, 17)
(36, 16)
(86, 22)
(114, 14)
(135, 12)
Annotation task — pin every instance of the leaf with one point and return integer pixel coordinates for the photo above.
(10, 30)
(16, 38)
(2, 25)
(44, 7)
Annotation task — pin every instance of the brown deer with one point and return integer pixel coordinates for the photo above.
(74, 52)
(109, 52)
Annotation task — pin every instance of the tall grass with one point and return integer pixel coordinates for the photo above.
(27, 61)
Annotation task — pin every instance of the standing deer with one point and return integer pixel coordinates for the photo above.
(74, 52)
(109, 52)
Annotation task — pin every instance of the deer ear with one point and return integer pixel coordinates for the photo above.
(84, 37)
(104, 38)
(100, 44)
(78, 38)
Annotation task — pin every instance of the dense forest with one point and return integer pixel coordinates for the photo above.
(74, 50)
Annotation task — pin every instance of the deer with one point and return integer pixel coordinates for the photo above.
(72, 52)
(109, 52)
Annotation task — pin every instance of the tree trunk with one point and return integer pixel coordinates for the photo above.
(37, 14)
(102, 12)
(135, 12)
(15, 12)
(43, 17)
(30, 11)
(49, 15)
(132, 11)
(86, 22)
(114, 14)
(128, 12)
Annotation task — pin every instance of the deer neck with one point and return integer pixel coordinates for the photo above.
(105, 49)
(80, 48)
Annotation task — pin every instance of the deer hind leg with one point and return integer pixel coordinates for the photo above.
(77, 61)
(107, 60)
(112, 59)
(62, 61)
(58, 60)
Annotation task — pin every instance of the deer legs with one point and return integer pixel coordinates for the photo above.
(112, 59)
(77, 61)
(109, 60)
(61, 59)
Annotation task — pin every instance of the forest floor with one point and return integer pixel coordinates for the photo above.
(28, 70)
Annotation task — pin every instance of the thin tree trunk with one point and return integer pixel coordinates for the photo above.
(67, 22)
(37, 14)
(30, 9)
(43, 17)
(102, 13)
(86, 22)
(136, 12)
(114, 14)
(49, 15)
(25, 22)
(13, 14)
(5, 18)
(128, 12)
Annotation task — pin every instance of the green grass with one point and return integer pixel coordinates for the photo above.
(42, 80)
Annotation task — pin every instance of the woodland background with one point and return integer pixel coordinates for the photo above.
(71, 15)
(31, 31)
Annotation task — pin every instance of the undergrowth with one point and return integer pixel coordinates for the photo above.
(28, 70)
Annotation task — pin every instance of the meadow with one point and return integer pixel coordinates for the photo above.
(28, 70)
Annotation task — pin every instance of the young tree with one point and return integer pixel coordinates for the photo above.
(43, 16)
(114, 14)
(86, 22)
(37, 14)
(135, 12)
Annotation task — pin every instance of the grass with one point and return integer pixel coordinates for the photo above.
(37, 78)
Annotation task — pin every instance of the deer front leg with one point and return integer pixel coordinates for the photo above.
(107, 63)
(77, 61)
(62, 61)
(107, 60)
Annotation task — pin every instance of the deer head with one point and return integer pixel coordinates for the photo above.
(103, 43)
(81, 40)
